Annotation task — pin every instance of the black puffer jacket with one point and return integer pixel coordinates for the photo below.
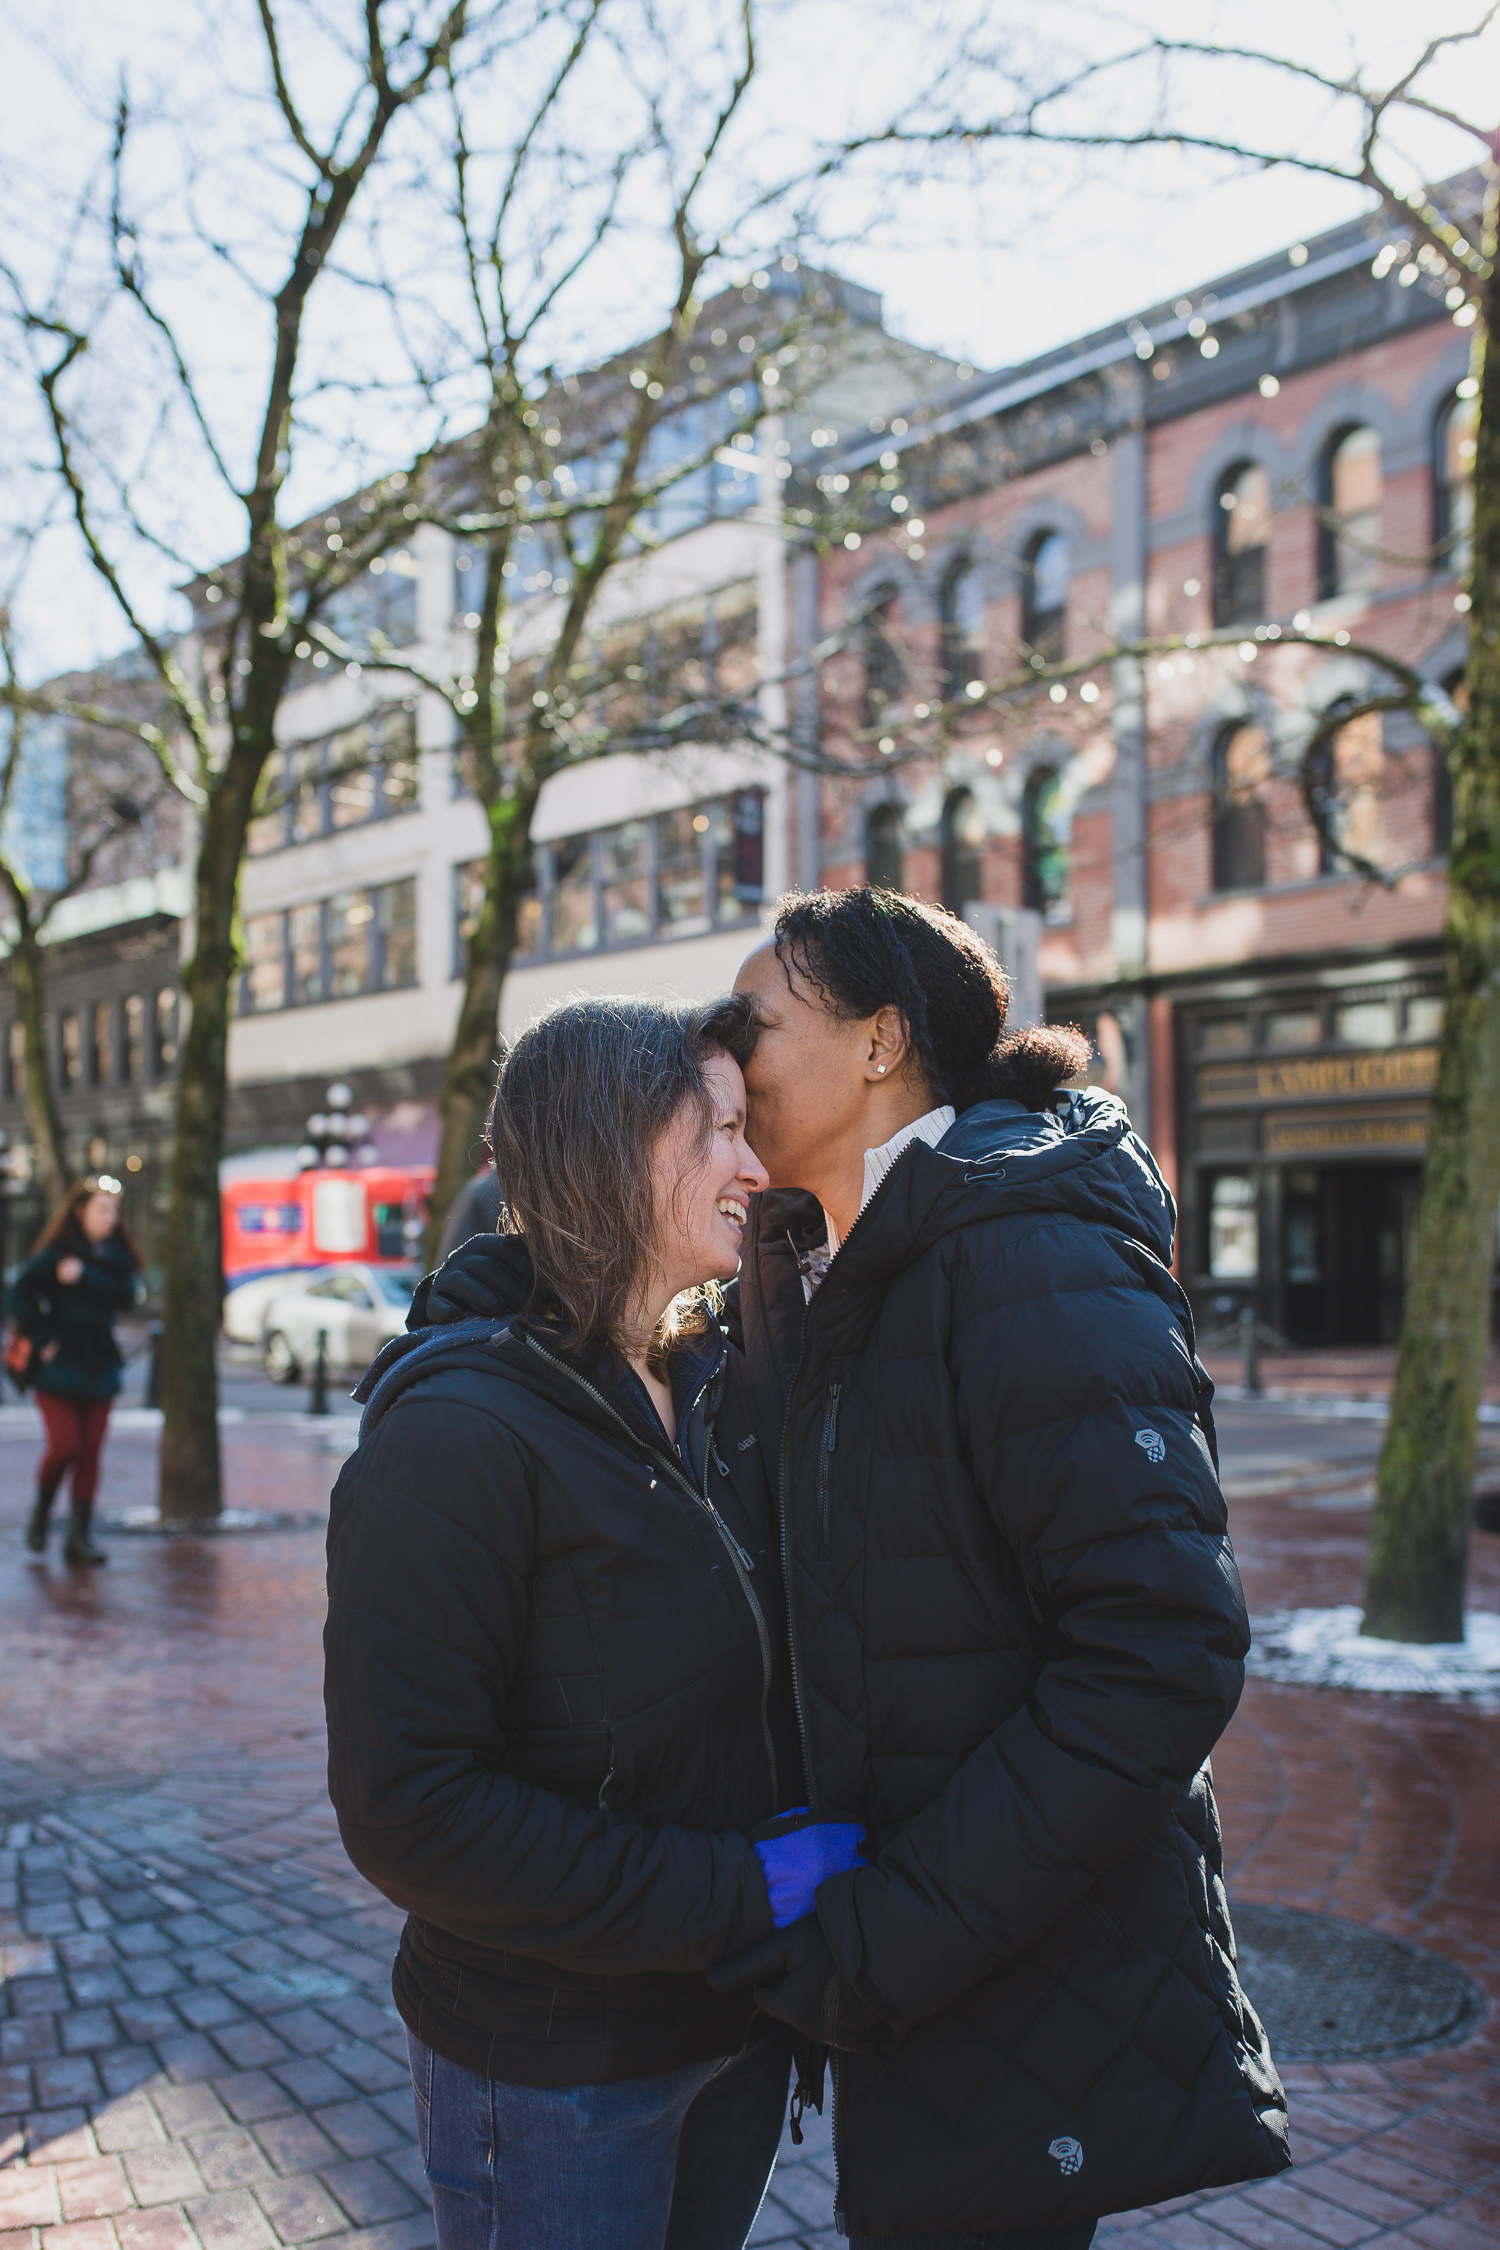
(548, 1713)
(1018, 1633)
(72, 1323)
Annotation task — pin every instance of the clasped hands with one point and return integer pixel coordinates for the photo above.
(793, 1975)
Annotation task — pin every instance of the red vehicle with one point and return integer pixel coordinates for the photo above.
(372, 1213)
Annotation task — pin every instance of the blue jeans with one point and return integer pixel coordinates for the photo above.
(678, 2162)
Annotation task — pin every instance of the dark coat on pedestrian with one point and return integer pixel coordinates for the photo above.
(1018, 1632)
(556, 1700)
(77, 1317)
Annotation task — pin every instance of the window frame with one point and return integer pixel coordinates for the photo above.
(1238, 825)
(1330, 537)
(742, 847)
(1045, 631)
(1231, 605)
(380, 980)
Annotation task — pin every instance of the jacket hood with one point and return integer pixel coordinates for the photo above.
(1081, 1156)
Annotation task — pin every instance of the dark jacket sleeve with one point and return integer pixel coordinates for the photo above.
(429, 1549)
(1077, 1401)
(109, 1281)
(27, 1292)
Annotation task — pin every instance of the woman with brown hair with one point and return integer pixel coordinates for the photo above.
(558, 1702)
(81, 1273)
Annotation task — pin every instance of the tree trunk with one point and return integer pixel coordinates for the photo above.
(1414, 1589)
(41, 1101)
(469, 1080)
(190, 1486)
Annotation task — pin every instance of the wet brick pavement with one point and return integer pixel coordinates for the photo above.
(197, 2045)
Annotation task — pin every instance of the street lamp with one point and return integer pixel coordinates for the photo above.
(338, 1136)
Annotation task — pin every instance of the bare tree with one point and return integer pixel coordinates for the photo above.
(221, 709)
(1154, 94)
(102, 769)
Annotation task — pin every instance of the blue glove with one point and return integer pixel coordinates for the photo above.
(797, 1858)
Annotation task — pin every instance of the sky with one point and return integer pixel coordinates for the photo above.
(988, 253)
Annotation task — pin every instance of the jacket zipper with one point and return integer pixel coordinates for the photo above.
(809, 1778)
(743, 1565)
(828, 1448)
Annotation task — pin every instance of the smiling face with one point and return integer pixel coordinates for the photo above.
(700, 1191)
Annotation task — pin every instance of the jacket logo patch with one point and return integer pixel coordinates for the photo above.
(1068, 2152)
(1152, 1444)
(744, 1445)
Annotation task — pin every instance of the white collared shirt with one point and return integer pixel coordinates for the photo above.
(878, 1162)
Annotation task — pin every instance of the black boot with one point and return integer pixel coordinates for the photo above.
(78, 1547)
(36, 1523)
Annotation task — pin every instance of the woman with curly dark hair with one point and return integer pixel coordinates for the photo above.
(1016, 1626)
(81, 1274)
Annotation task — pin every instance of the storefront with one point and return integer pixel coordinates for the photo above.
(1303, 1117)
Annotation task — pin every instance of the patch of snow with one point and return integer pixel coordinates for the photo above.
(1325, 1648)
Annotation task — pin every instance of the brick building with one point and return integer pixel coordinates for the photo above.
(1282, 450)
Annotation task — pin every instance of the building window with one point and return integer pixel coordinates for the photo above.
(1233, 1231)
(165, 1056)
(961, 612)
(1046, 575)
(71, 1049)
(1442, 779)
(882, 674)
(366, 772)
(135, 1040)
(1349, 525)
(963, 850)
(883, 847)
(1241, 769)
(1044, 841)
(1453, 488)
(101, 1043)
(1346, 775)
(263, 981)
(331, 949)
(1241, 528)
(381, 604)
(672, 874)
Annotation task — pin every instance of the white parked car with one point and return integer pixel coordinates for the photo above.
(358, 1308)
(245, 1303)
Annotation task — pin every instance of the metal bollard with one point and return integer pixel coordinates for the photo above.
(1249, 1352)
(318, 1403)
(152, 1394)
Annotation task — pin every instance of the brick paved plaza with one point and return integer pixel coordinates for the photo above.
(197, 2043)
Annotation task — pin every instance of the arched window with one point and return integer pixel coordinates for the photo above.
(1349, 527)
(883, 853)
(1044, 836)
(883, 674)
(1242, 525)
(1453, 488)
(963, 851)
(1442, 780)
(961, 610)
(1346, 776)
(1241, 769)
(1046, 572)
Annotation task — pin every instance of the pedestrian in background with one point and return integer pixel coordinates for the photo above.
(81, 1273)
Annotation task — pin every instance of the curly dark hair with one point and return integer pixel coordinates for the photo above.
(865, 949)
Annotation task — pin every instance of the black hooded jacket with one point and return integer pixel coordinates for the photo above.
(1018, 1632)
(556, 1689)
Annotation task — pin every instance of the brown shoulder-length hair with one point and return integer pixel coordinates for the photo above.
(580, 1102)
(64, 1229)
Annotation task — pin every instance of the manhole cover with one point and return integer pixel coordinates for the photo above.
(1327, 1989)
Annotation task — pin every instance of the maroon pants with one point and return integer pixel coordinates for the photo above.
(75, 1438)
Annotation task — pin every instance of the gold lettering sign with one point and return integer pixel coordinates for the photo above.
(1327, 1131)
(1393, 1070)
